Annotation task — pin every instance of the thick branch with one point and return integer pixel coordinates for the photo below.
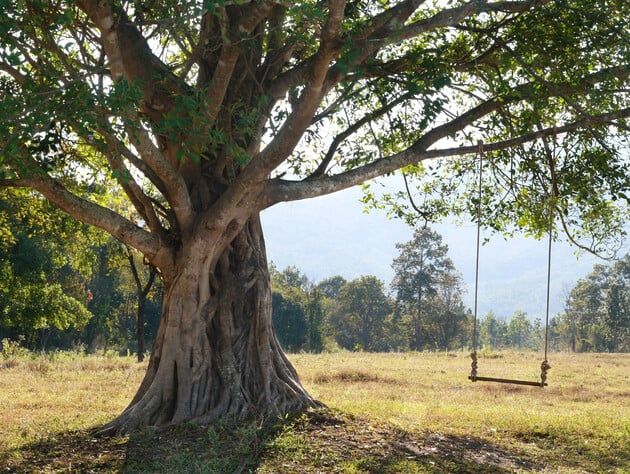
(130, 58)
(134, 192)
(102, 15)
(14, 73)
(390, 19)
(176, 190)
(96, 215)
(286, 191)
(15, 183)
(454, 16)
(281, 190)
(227, 60)
(237, 203)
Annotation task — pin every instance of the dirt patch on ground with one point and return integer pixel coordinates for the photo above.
(353, 376)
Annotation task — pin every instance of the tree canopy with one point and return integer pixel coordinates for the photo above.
(597, 312)
(197, 115)
(428, 291)
(154, 96)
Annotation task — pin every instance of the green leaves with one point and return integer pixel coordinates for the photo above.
(42, 272)
(400, 82)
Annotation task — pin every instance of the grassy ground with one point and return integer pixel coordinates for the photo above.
(388, 413)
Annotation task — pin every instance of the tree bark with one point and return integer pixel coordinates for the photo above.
(216, 354)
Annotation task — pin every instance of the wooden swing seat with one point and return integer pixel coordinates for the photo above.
(512, 381)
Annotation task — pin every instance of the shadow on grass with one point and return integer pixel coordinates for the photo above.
(319, 442)
(69, 451)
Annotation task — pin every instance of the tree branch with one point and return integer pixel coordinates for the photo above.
(389, 19)
(230, 51)
(14, 183)
(300, 118)
(14, 73)
(134, 192)
(453, 16)
(279, 190)
(517, 94)
(251, 181)
(176, 191)
(321, 169)
(94, 214)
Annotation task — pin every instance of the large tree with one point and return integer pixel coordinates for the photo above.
(585, 311)
(358, 316)
(428, 291)
(204, 113)
(44, 271)
(617, 317)
(597, 310)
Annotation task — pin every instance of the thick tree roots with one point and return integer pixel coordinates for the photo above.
(216, 355)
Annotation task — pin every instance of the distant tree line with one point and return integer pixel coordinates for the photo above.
(65, 285)
(597, 311)
(423, 309)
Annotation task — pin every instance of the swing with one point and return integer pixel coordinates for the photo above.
(544, 366)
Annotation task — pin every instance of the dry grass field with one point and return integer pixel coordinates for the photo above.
(388, 413)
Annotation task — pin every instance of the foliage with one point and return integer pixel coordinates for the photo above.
(63, 283)
(289, 321)
(115, 301)
(617, 315)
(428, 293)
(492, 331)
(519, 330)
(359, 315)
(596, 316)
(297, 311)
(43, 284)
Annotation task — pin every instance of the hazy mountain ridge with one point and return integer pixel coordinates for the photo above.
(331, 235)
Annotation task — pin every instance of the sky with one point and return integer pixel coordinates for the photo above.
(332, 235)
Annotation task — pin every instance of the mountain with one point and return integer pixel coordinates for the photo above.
(332, 235)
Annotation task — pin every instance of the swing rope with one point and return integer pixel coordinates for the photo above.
(473, 355)
(544, 366)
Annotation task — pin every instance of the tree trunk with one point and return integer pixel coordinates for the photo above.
(216, 354)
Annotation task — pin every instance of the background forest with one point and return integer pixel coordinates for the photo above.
(64, 285)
